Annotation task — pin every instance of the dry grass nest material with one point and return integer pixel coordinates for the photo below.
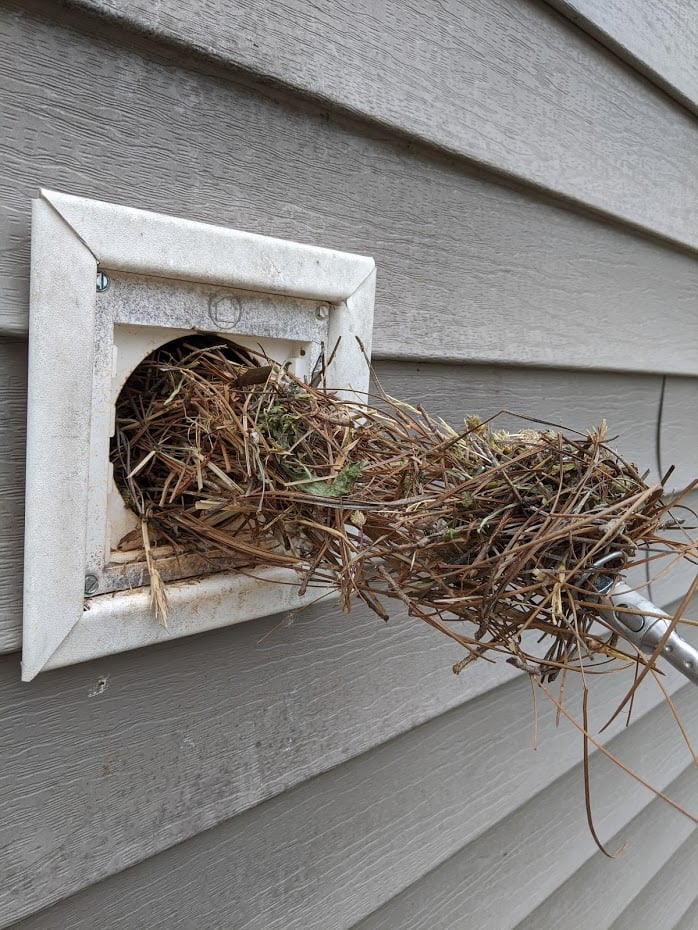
(489, 536)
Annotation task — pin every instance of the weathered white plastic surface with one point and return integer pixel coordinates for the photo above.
(169, 277)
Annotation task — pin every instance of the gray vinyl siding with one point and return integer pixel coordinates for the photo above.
(466, 790)
(658, 39)
(673, 843)
(469, 269)
(665, 897)
(475, 888)
(509, 84)
(529, 199)
(13, 397)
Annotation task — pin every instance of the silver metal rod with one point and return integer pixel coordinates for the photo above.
(642, 629)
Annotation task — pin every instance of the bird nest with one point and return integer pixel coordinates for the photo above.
(490, 536)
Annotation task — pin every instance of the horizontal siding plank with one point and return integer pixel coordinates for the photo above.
(679, 428)
(495, 881)
(595, 896)
(663, 901)
(467, 268)
(659, 39)
(109, 762)
(510, 85)
(629, 403)
(329, 852)
(574, 400)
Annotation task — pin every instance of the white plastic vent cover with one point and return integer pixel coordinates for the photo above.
(165, 277)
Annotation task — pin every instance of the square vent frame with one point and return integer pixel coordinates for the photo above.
(233, 283)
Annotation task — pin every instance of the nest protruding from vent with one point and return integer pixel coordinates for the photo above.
(489, 536)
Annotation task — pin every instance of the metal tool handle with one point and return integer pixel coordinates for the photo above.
(645, 632)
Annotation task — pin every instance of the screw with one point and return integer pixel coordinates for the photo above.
(323, 312)
(91, 584)
(102, 282)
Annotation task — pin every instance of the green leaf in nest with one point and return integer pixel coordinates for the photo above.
(338, 487)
